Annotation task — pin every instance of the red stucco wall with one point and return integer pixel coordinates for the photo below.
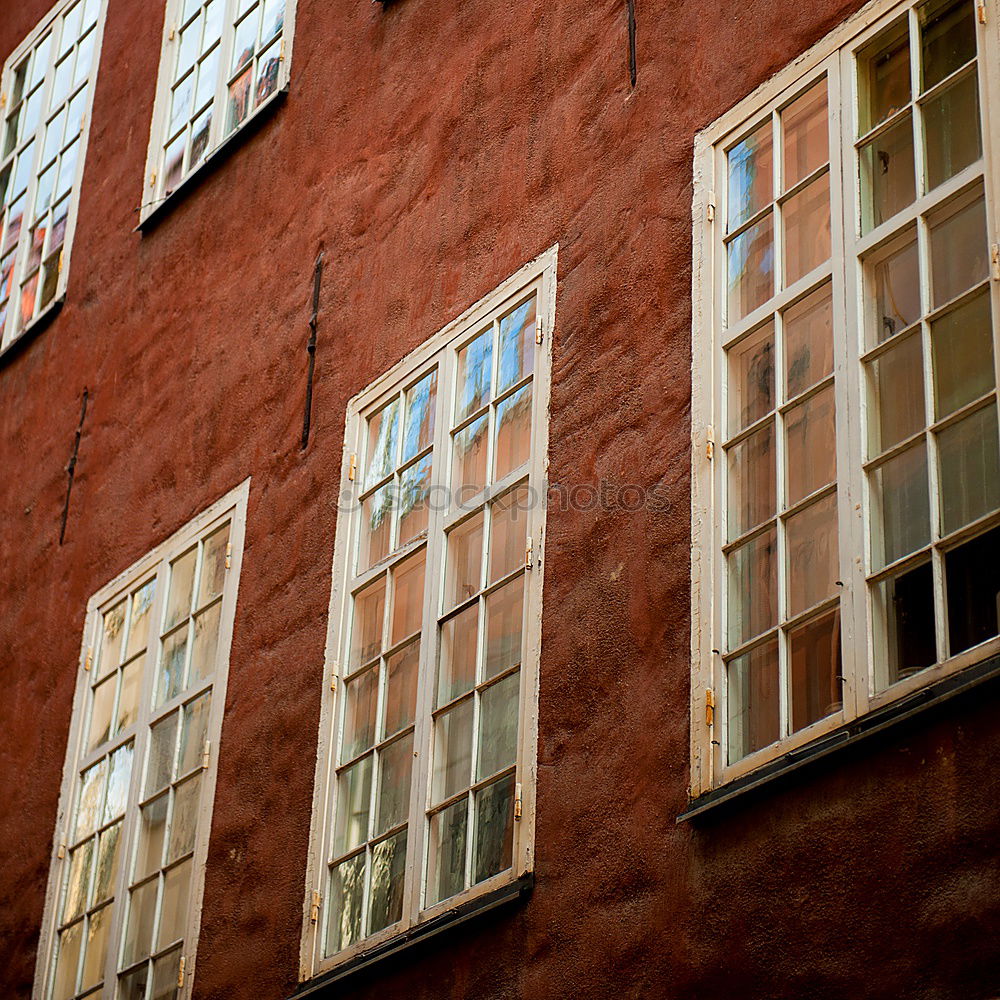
(430, 149)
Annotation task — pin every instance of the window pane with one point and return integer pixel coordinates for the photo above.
(206, 643)
(504, 618)
(273, 19)
(948, 38)
(752, 486)
(498, 726)
(513, 435)
(112, 635)
(79, 881)
(97, 948)
(353, 806)
(361, 696)
(139, 931)
(884, 75)
(897, 394)
(163, 740)
(904, 604)
(753, 701)
(138, 630)
(181, 585)
(133, 985)
(508, 533)
(959, 251)
(469, 469)
(383, 431)
(969, 455)
(408, 597)
(395, 769)
(475, 370)
(452, 751)
(376, 527)
(464, 563)
(347, 886)
(213, 565)
(184, 822)
(446, 852)
(494, 829)
(808, 332)
(517, 345)
(888, 184)
(811, 437)
(166, 969)
(457, 669)
(239, 100)
(119, 776)
(369, 614)
(951, 127)
(901, 506)
(421, 410)
(753, 599)
(91, 799)
(69, 958)
(807, 229)
(751, 268)
(414, 495)
(806, 134)
(972, 572)
(173, 908)
(813, 567)
(401, 689)
(814, 653)
(388, 875)
(100, 715)
(751, 173)
(896, 281)
(751, 378)
(962, 345)
(107, 863)
(152, 833)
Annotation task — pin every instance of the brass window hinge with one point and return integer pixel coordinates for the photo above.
(518, 805)
(88, 662)
(206, 752)
(981, 11)
(995, 261)
(229, 554)
(710, 443)
(710, 207)
(61, 853)
(709, 707)
(352, 468)
(528, 554)
(180, 972)
(539, 331)
(314, 909)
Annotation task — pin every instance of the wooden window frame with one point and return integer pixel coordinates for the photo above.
(441, 350)
(833, 57)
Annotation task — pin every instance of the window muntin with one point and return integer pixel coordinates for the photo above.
(222, 61)
(892, 351)
(48, 88)
(428, 783)
(123, 892)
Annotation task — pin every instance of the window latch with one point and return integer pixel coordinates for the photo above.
(314, 909)
(995, 261)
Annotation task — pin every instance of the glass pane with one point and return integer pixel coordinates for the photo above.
(807, 229)
(751, 269)
(208, 74)
(751, 378)
(353, 805)
(107, 863)
(88, 812)
(498, 726)
(814, 652)
(173, 162)
(813, 567)
(904, 605)
(475, 369)
(508, 533)
(421, 409)
(97, 948)
(752, 700)
(752, 486)
(112, 635)
(452, 751)
(173, 908)
(901, 506)
(213, 23)
(811, 437)
(806, 134)
(79, 881)
(361, 697)
(133, 985)
(494, 829)
(887, 178)
(138, 630)
(239, 100)
(119, 776)
(383, 432)
(376, 527)
(388, 874)
(884, 71)
(897, 390)
(194, 732)
(751, 175)
(972, 574)
(139, 931)
(948, 38)
(152, 831)
(504, 621)
(347, 887)
(465, 560)
(180, 104)
(969, 456)
(468, 475)
(808, 332)
(517, 345)
(172, 661)
(446, 852)
(395, 768)
(184, 821)
(100, 715)
(69, 958)
(213, 565)
(206, 643)
(244, 42)
(959, 252)
(165, 972)
(753, 597)
(369, 614)
(513, 443)
(401, 689)
(962, 345)
(951, 129)
(273, 20)
(896, 280)
(457, 667)
(163, 740)
(408, 597)
(181, 584)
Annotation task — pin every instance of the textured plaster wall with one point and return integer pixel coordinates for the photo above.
(430, 148)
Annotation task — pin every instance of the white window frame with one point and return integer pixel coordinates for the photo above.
(152, 192)
(231, 507)
(8, 336)
(540, 276)
(832, 56)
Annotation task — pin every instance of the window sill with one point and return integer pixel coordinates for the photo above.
(158, 209)
(40, 323)
(325, 984)
(857, 730)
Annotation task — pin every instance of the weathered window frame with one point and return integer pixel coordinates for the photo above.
(834, 58)
(538, 277)
(231, 509)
